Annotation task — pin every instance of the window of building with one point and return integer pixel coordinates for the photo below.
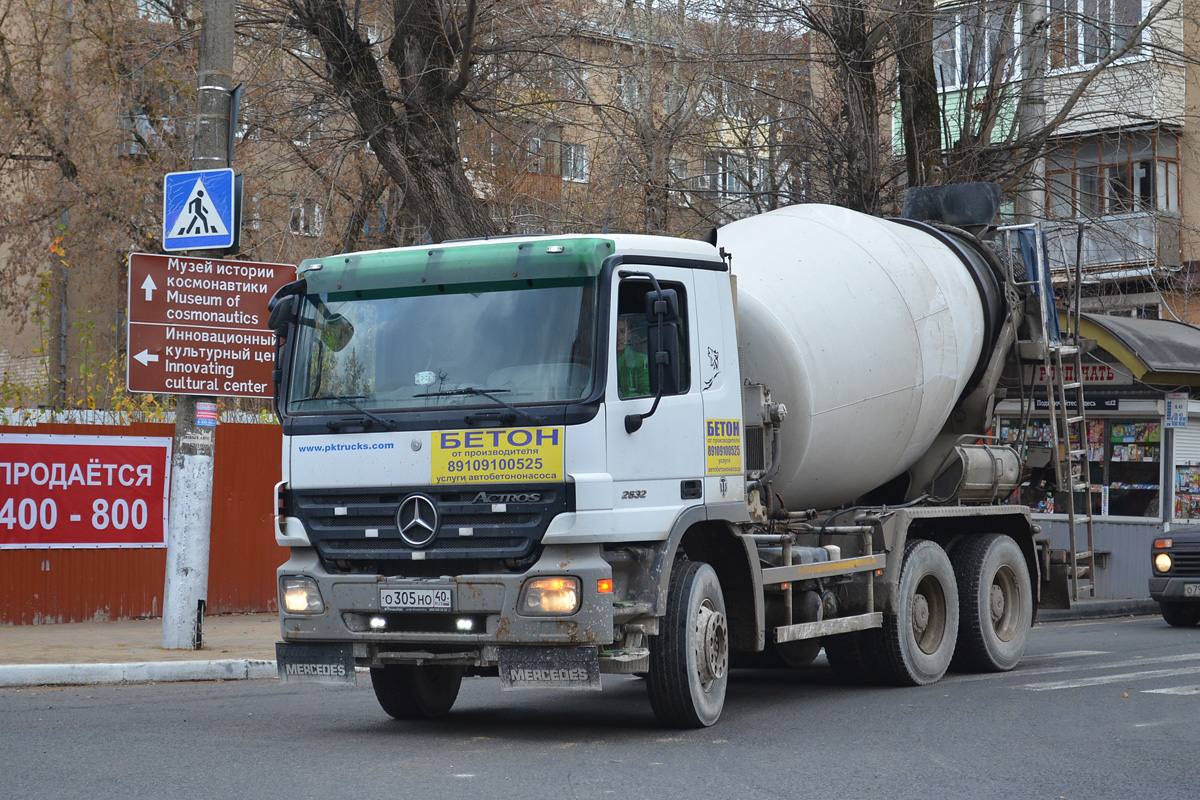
(970, 41)
(306, 219)
(734, 176)
(575, 164)
(1118, 174)
(1083, 32)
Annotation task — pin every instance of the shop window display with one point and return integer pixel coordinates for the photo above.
(1124, 462)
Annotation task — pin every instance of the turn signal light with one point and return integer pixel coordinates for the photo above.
(1162, 544)
(604, 586)
(550, 596)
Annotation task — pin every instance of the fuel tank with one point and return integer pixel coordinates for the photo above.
(867, 329)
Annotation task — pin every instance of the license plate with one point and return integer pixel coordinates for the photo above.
(1191, 590)
(436, 598)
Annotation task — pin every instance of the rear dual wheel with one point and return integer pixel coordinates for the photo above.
(917, 643)
(996, 597)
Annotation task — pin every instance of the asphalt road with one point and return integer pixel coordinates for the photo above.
(1099, 709)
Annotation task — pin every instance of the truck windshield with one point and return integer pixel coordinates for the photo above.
(415, 350)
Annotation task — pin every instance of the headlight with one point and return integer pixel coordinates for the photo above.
(550, 596)
(1162, 562)
(301, 596)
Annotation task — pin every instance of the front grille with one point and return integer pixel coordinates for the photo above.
(338, 523)
(1186, 565)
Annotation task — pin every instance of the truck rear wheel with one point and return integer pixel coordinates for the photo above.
(1180, 615)
(918, 642)
(689, 658)
(995, 603)
(409, 691)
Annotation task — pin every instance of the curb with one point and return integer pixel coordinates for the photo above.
(1096, 609)
(26, 675)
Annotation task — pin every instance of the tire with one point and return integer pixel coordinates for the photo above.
(799, 654)
(1180, 615)
(407, 691)
(995, 599)
(852, 657)
(917, 644)
(689, 658)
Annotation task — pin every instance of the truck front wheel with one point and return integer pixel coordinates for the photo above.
(996, 596)
(689, 658)
(918, 642)
(409, 691)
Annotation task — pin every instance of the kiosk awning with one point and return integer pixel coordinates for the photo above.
(1157, 351)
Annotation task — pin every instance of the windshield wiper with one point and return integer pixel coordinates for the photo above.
(489, 394)
(336, 424)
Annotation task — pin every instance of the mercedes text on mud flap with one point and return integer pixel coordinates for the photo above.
(544, 459)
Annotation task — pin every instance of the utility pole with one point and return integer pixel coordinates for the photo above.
(190, 517)
(1031, 109)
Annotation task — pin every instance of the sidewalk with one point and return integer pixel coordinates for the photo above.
(236, 647)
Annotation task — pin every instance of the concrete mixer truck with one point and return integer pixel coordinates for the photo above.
(547, 458)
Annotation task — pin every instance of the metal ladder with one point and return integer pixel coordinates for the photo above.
(1062, 359)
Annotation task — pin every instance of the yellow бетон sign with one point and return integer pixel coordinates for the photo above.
(500, 455)
(723, 446)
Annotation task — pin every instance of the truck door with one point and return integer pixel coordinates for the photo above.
(658, 468)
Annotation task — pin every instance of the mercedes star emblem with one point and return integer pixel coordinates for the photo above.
(417, 519)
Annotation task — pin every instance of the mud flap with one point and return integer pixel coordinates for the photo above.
(575, 668)
(314, 663)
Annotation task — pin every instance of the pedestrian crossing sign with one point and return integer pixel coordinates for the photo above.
(198, 210)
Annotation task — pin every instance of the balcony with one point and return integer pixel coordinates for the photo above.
(1116, 246)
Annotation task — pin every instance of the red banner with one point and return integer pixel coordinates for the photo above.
(83, 491)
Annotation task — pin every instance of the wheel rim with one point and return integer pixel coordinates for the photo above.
(928, 612)
(1004, 603)
(711, 644)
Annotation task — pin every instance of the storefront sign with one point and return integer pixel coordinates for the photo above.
(83, 491)
(1093, 375)
(1177, 410)
(1089, 404)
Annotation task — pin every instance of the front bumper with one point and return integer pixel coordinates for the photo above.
(488, 601)
(1172, 589)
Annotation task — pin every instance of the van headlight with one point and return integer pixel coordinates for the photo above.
(1162, 562)
(301, 596)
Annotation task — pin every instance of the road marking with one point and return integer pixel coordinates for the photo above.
(1068, 654)
(1100, 680)
(1184, 690)
(1133, 662)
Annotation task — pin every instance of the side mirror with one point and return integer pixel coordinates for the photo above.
(666, 306)
(336, 332)
(283, 306)
(664, 349)
(282, 311)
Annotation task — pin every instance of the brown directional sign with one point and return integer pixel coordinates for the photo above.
(199, 325)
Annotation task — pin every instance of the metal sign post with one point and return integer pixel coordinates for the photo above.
(185, 594)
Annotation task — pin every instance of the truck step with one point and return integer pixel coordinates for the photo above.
(628, 661)
(828, 627)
